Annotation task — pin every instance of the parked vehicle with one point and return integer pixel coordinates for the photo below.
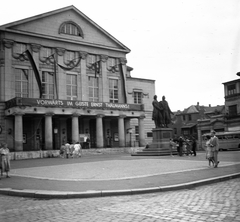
(227, 140)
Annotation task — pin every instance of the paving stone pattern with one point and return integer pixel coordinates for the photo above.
(211, 203)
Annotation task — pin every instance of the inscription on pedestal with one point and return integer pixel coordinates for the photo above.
(166, 135)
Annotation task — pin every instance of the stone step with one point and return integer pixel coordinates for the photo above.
(154, 153)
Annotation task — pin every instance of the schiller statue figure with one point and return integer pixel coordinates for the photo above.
(166, 112)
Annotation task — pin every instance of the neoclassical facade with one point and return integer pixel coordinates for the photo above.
(64, 79)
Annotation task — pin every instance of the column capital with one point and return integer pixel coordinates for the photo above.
(142, 116)
(123, 60)
(121, 116)
(49, 114)
(103, 58)
(75, 115)
(35, 47)
(18, 113)
(83, 54)
(60, 51)
(100, 115)
(7, 43)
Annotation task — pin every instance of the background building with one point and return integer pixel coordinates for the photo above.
(63, 79)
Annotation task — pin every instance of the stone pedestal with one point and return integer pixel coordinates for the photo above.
(159, 145)
(161, 138)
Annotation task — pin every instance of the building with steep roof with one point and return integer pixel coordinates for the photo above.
(232, 104)
(64, 78)
(187, 121)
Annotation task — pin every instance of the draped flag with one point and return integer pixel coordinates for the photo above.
(70, 68)
(55, 75)
(35, 70)
(123, 74)
(55, 63)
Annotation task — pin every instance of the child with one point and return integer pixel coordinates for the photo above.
(209, 151)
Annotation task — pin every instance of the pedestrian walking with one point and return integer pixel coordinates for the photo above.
(5, 159)
(209, 151)
(215, 145)
(172, 146)
(180, 143)
(194, 146)
(67, 150)
(62, 150)
(77, 152)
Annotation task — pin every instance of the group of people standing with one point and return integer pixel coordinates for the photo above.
(71, 150)
(4, 159)
(183, 145)
(212, 148)
(161, 113)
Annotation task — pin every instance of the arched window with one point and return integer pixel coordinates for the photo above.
(71, 28)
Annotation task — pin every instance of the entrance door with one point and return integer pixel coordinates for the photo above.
(92, 125)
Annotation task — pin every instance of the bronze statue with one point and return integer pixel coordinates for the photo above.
(157, 113)
(161, 113)
(166, 112)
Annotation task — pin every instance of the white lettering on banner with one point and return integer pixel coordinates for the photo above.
(69, 103)
(96, 104)
(50, 102)
(85, 104)
(117, 106)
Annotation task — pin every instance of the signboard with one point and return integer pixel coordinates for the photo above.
(71, 104)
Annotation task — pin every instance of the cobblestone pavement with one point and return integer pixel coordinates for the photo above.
(215, 202)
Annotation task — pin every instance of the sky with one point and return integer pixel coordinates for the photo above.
(190, 47)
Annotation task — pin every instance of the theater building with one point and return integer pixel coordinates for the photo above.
(63, 78)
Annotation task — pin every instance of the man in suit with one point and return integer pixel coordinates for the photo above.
(214, 143)
(166, 113)
(156, 114)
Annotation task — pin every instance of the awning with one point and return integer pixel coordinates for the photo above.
(190, 125)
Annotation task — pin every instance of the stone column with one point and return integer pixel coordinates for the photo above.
(75, 128)
(48, 131)
(84, 79)
(105, 87)
(121, 134)
(99, 129)
(141, 131)
(6, 73)
(18, 133)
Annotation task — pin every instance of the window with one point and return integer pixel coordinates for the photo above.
(21, 83)
(231, 89)
(93, 88)
(149, 134)
(47, 85)
(232, 110)
(183, 117)
(136, 133)
(189, 117)
(71, 28)
(137, 97)
(113, 90)
(71, 87)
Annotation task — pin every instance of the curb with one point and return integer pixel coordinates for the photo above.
(44, 194)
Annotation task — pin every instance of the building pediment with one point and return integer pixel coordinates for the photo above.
(51, 25)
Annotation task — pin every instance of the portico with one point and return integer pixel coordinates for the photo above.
(105, 127)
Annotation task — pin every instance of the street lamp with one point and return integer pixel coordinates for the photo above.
(130, 132)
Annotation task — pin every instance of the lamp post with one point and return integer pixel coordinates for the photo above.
(130, 132)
